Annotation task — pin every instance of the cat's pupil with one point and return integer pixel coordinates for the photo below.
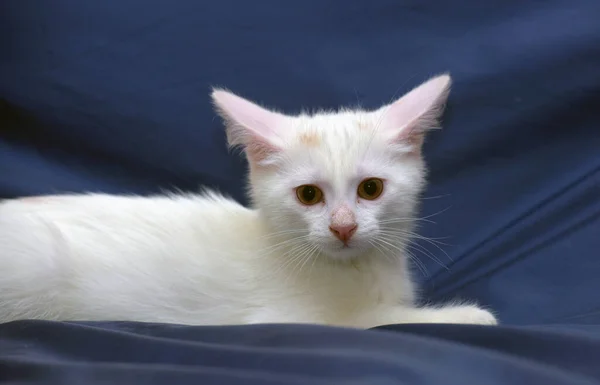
(308, 193)
(370, 188)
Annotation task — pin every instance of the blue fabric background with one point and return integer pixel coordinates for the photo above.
(136, 353)
(113, 96)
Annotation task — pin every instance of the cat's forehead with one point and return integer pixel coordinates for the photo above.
(335, 132)
(337, 146)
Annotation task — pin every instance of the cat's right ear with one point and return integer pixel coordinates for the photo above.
(250, 126)
(408, 119)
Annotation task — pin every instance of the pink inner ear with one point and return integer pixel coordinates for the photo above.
(259, 150)
(251, 116)
(249, 125)
(408, 118)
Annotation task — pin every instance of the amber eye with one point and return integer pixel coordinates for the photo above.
(370, 188)
(309, 195)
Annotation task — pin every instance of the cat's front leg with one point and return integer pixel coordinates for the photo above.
(452, 314)
(449, 314)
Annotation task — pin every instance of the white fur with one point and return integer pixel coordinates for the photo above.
(205, 259)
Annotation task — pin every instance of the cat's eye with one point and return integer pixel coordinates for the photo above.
(309, 194)
(370, 189)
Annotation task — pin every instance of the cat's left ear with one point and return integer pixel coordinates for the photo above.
(407, 119)
(250, 126)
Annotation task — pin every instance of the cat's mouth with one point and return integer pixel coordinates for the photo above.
(345, 252)
(344, 246)
(345, 249)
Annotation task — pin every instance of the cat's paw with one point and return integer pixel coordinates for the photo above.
(468, 314)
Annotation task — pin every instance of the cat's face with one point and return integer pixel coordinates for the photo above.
(337, 175)
(341, 183)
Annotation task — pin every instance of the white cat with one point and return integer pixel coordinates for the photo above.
(334, 197)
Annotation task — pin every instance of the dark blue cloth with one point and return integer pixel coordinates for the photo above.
(113, 96)
(135, 353)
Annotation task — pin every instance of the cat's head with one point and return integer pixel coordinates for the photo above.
(340, 182)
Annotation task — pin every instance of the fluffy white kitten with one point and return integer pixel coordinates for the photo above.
(334, 196)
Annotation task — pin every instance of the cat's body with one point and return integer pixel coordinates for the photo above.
(330, 253)
(184, 264)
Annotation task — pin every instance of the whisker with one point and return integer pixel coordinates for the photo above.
(283, 232)
(418, 219)
(412, 234)
(437, 213)
(310, 257)
(420, 265)
(436, 197)
(387, 242)
(293, 260)
(405, 220)
(382, 250)
(415, 247)
(431, 241)
(428, 254)
(302, 259)
(312, 265)
(272, 248)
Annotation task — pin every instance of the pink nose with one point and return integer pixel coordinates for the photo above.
(343, 233)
